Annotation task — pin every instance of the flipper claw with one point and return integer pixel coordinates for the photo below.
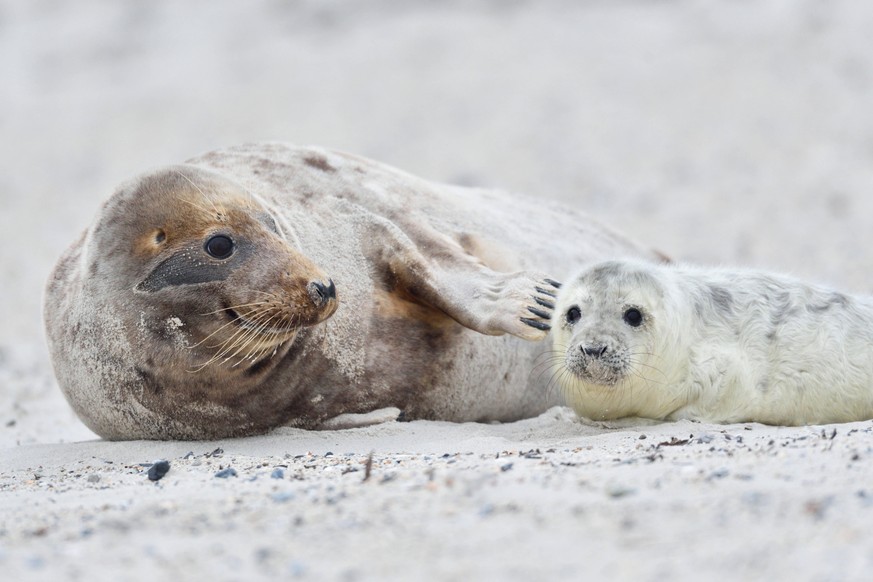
(536, 324)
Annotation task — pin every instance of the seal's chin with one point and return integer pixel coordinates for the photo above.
(599, 376)
(594, 371)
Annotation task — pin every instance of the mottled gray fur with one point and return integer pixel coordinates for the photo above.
(424, 273)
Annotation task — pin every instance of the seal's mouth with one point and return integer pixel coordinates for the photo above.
(598, 375)
(266, 328)
(279, 315)
(599, 370)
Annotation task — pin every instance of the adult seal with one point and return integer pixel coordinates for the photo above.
(635, 339)
(268, 284)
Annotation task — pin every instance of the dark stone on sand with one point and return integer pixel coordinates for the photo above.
(158, 470)
(225, 473)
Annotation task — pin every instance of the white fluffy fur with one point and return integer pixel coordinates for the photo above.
(717, 345)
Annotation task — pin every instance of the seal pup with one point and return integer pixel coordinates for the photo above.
(267, 285)
(673, 341)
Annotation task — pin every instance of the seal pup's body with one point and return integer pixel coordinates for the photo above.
(268, 284)
(674, 341)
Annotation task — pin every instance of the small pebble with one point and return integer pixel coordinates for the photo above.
(263, 554)
(225, 473)
(296, 568)
(158, 470)
(93, 478)
(754, 498)
(617, 491)
(719, 474)
(277, 473)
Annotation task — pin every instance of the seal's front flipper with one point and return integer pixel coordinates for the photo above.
(494, 303)
(436, 271)
(483, 300)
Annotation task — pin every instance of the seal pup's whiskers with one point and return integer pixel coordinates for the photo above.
(550, 365)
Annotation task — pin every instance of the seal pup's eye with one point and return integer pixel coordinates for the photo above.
(574, 314)
(219, 246)
(160, 236)
(633, 317)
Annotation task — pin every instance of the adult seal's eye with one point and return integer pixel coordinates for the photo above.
(574, 314)
(219, 246)
(633, 317)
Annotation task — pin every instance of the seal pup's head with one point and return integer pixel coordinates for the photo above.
(182, 296)
(615, 336)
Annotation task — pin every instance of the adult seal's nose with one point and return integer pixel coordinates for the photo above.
(321, 293)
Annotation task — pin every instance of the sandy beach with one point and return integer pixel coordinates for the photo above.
(719, 133)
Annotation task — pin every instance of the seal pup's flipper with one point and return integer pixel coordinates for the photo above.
(436, 271)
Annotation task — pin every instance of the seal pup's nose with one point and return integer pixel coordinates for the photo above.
(322, 293)
(593, 351)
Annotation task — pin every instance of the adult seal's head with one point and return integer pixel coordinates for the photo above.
(181, 297)
(620, 334)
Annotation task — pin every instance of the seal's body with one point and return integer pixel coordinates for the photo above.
(673, 342)
(267, 284)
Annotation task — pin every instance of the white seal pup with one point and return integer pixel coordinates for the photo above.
(268, 284)
(669, 342)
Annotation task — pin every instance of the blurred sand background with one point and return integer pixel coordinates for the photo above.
(717, 132)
